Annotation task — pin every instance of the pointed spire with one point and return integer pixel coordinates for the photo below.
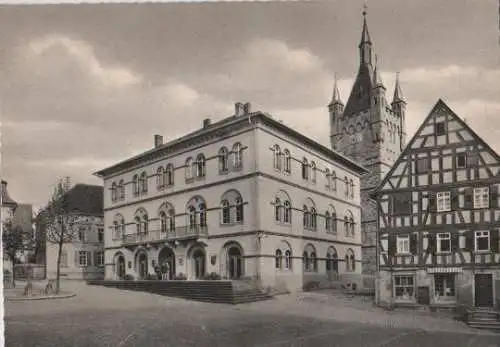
(336, 93)
(365, 50)
(377, 81)
(398, 94)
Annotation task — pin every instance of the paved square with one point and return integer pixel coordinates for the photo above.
(109, 317)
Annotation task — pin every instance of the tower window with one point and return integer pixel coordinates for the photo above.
(440, 128)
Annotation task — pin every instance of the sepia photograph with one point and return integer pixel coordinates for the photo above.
(250, 173)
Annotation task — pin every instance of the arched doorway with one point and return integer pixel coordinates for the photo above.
(234, 262)
(166, 261)
(198, 261)
(142, 265)
(120, 266)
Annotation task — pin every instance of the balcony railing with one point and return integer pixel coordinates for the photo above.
(179, 233)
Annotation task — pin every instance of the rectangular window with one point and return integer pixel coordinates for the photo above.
(81, 235)
(443, 242)
(461, 160)
(440, 128)
(403, 244)
(422, 165)
(482, 241)
(481, 197)
(404, 288)
(82, 258)
(444, 286)
(443, 200)
(100, 259)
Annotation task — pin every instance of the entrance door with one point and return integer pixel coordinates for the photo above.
(199, 264)
(483, 290)
(143, 266)
(120, 268)
(234, 263)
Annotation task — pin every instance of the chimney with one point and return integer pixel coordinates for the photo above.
(247, 109)
(206, 123)
(238, 109)
(158, 141)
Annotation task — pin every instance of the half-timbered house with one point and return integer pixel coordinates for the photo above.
(439, 218)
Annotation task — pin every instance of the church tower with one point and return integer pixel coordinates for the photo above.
(371, 132)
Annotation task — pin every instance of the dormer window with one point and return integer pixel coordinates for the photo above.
(440, 128)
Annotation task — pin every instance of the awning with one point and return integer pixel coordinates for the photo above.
(434, 270)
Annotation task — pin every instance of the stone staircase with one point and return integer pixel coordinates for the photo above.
(484, 318)
(224, 292)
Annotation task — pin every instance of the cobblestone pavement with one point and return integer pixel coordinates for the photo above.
(109, 317)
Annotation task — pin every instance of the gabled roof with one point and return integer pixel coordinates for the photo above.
(83, 199)
(409, 147)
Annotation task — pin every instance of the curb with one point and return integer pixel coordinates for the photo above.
(51, 297)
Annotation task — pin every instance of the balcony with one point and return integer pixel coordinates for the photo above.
(179, 233)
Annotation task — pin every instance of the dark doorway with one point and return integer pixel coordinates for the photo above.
(166, 261)
(142, 266)
(483, 290)
(235, 263)
(199, 264)
(120, 267)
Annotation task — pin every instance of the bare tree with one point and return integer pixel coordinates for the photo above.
(60, 223)
(13, 240)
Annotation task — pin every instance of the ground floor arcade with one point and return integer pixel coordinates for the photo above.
(285, 264)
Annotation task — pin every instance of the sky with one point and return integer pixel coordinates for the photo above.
(85, 86)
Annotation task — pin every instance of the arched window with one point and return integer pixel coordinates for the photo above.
(135, 183)
(163, 222)
(277, 210)
(288, 259)
(346, 181)
(225, 212)
(288, 212)
(314, 262)
(137, 220)
(203, 215)
(279, 258)
(113, 192)
(189, 172)
(328, 262)
(223, 158)
(305, 169)
(334, 222)
(334, 180)
(121, 188)
(288, 164)
(169, 175)
(171, 220)
(327, 178)
(313, 171)
(351, 183)
(346, 226)
(328, 225)
(313, 221)
(160, 178)
(277, 157)
(145, 224)
(239, 210)
(144, 182)
(119, 227)
(332, 260)
(238, 156)
(192, 217)
(351, 223)
(305, 218)
(200, 165)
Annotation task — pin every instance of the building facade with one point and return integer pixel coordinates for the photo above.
(245, 197)
(371, 132)
(439, 218)
(8, 207)
(82, 255)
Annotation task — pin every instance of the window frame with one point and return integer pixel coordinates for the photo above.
(401, 245)
(440, 128)
(482, 234)
(443, 201)
(443, 237)
(479, 194)
(458, 157)
(396, 286)
(85, 256)
(446, 278)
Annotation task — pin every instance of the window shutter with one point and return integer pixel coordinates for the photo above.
(494, 196)
(89, 258)
(469, 241)
(494, 240)
(392, 244)
(454, 241)
(454, 199)
(77, 259)
(468, 199)
(413, 244)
